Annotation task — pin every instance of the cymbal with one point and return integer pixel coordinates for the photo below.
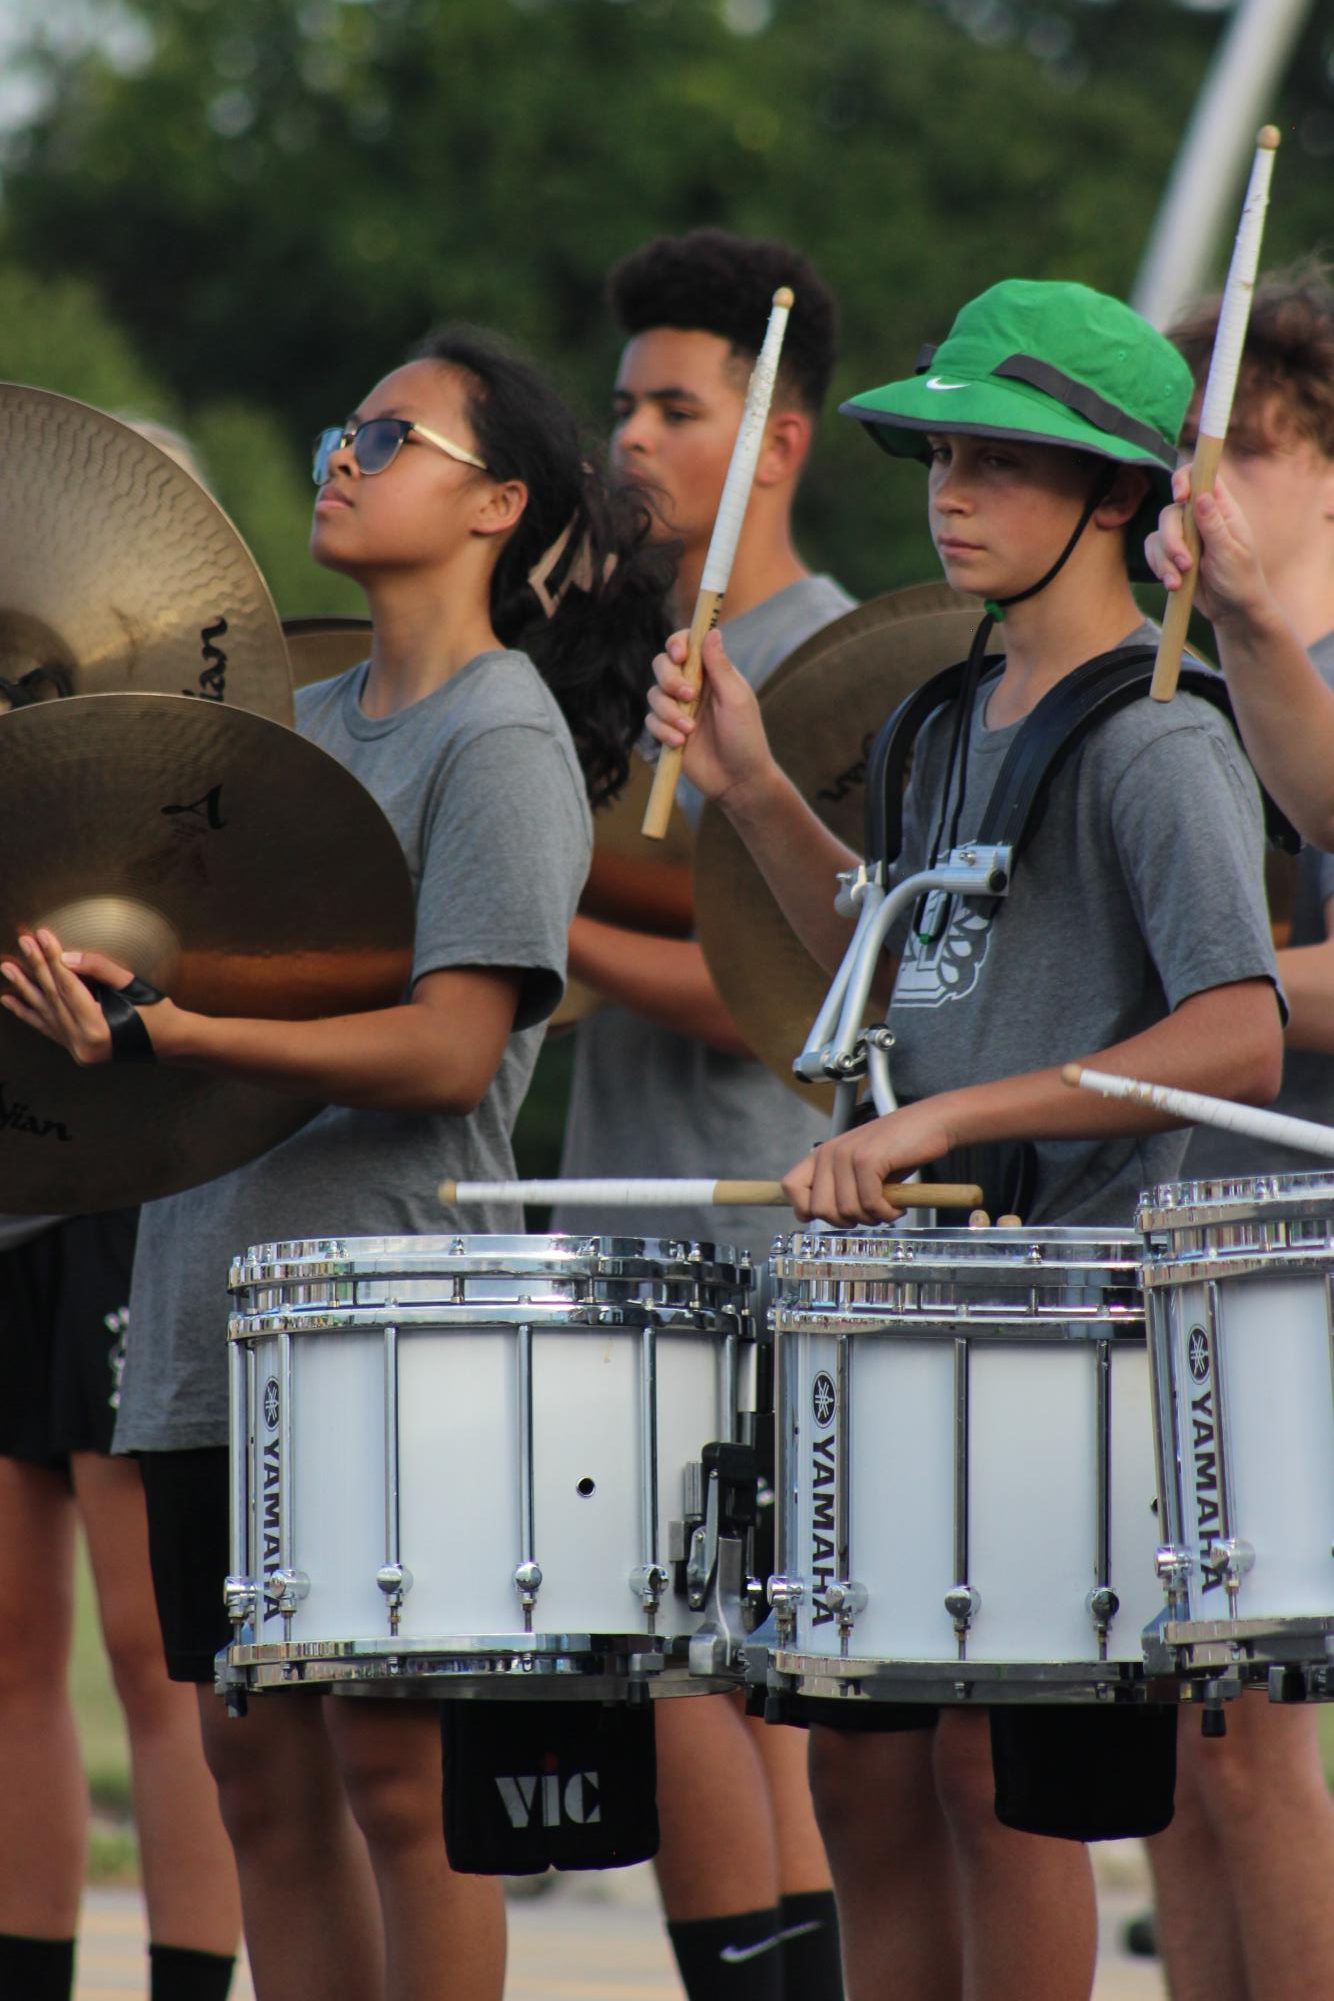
(224, 858)
(117, 567)
(320, 648)
(640, 884)
(822, 708)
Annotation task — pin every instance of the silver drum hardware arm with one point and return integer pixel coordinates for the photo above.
(838, 1047)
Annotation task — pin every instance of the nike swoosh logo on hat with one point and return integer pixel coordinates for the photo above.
(934, 382)
(733, 1955)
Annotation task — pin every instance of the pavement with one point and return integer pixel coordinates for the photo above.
(599, 1937)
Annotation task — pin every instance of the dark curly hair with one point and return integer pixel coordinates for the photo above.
(1289, 351)
(595, 652)
(713, 282)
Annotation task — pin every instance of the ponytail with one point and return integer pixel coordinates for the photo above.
(579, 585)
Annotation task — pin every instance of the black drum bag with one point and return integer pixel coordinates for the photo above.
(548, 1785)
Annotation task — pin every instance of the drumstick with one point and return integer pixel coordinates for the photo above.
(1276, 1127)
(1233, 317)
(722, 545)
(689, 1194)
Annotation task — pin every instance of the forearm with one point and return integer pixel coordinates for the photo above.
(400, 1059)
(666, 980)
(1307, 973)
(799, 859)
(1195, 1049)
(1286, 715)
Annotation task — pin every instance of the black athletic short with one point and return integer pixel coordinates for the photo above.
(64, 1309)
(1076, 1772)
(189, 1553)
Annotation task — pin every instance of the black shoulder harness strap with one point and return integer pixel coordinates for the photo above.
(1054, 728)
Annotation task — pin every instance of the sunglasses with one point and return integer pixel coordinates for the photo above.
(377, 443)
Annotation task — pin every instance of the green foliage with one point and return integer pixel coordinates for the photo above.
(55, 334)
(281, 196)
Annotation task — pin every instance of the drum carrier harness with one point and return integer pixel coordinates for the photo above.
(979, 870)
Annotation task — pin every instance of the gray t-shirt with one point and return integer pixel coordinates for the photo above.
(1308, 1074)
(1142, 886)
(646, 1101)
(481, 784)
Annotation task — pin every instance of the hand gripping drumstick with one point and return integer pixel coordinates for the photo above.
(722, 545)
(1233, 317)
(1275, 1127)
(689, 1194)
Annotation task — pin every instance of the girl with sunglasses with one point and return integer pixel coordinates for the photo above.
(515, 607)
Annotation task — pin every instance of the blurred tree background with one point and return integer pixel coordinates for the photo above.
(235, 214)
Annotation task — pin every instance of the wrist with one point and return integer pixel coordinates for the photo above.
(753, 800)
(172, 1031)
(1251, 621)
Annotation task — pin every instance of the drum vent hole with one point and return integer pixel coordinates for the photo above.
(585, 1486)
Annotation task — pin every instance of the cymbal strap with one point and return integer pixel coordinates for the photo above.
(130, 1040)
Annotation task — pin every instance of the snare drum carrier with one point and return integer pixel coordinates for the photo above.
(965, 1445)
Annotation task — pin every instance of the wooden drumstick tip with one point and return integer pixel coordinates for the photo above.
(447, 1193)
(1070, 1073)
(1268, 136)
(787, 298)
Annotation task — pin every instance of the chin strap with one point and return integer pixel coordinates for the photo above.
(130, 1040)
(1102, 486)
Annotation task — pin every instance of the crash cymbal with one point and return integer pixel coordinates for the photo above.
(641, 885)
(320, 648)
(118, 571)
(220, 856)
(822, 709)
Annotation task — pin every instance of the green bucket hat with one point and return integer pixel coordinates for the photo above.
(1056, 364)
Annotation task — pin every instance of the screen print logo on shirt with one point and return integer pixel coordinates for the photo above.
(947, 967)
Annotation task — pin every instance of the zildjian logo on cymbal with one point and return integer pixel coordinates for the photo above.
(20, 1118)
(213, 675)
(206, 811)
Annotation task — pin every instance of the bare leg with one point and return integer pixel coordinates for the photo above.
(719, 1851)
(444, 1933)
(43, 1801)
(189, 1878)
(1272, 1820)
(311, 1917)
(784, 1754)
(893, 1869)
(1030, 1924)
(1198, 1940)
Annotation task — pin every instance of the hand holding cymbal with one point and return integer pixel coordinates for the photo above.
(223, 859)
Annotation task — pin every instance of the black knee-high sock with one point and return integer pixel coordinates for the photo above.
(812, 1966)
(730, 1959)
(36, 1969)
(178, 1973)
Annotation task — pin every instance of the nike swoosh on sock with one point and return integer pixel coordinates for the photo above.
(733, 1955)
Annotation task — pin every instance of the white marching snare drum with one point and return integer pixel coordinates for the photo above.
(965, 1466)
(463, 1456)
(1237, 1279)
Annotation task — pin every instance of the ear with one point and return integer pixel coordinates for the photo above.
(1326, 489)
(787, 440)
(499, 507)
(1126, 496)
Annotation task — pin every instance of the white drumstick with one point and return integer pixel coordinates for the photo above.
(1193, 1106)
(723, 541)
(682, 1194)
(1234, 315)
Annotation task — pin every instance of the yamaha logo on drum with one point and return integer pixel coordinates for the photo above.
(1197, 1354)
(824, 1477)
(272, 1403)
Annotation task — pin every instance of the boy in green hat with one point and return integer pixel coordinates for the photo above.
(1133, 938)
